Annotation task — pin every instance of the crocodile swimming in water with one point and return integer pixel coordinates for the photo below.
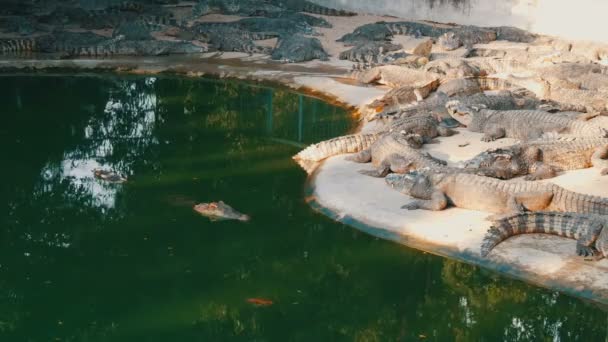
(435, 190)
(589, 231)
(519, 124)
(541, 159)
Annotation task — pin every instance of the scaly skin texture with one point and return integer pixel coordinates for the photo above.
(310, 7)
(298, 48)
(589, 231)
(543, 158)
(369, 52)
(392, 153)
(519, 124)
(340, 145)
(435, 190)
(395, 76)
(422, 129)
(219, 211)
(473, 85)
(404, 95)
(435, 104)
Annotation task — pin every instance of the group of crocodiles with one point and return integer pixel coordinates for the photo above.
(545, 95)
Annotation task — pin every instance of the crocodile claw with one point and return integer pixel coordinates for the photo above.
(411, 206)
(585, 251)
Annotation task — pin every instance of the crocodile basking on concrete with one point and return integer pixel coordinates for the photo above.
(420, 129)
(519, 124)
(369, 52)
(541, 159)
(435, 190)
(392, 153)
(297, 48)
(589, 231)
(435, 104)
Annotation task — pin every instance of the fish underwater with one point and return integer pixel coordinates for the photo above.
(260, 301)
(217, 211)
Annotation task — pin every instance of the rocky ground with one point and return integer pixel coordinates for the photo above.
(385, 68)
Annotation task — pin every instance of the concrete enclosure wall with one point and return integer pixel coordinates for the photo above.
(572, 19)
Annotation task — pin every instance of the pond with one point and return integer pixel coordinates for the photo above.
(83, 260)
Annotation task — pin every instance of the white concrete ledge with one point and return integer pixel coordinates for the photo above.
(336, 189)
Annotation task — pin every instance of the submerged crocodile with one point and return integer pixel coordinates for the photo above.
(519, 124)
(543, 158)
(420, 129)
(216, 211)
(436, 190)
(392, 153)
(589, 231)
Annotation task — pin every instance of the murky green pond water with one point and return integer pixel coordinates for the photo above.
(82, 260)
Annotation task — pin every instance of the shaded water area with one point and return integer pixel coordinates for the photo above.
(82, 260)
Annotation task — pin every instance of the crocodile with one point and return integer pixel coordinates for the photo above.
(449, 37)
(404, 95)
(435, 190)
(589, 231)
(367, 33)
(436, 104)
(219, 211)
(230, 38)
(542, 159)
(75, 44)
(472, 85)
(392, 153)
(519, 124)
(369, 52)
(310, 7)
(465, 36)
(18, 45)
(345, 144)
(421, 129)
(298, 48)
(395, 76)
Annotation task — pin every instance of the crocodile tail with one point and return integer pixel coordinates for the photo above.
(567, 225)
(346, 144)
(322, 10)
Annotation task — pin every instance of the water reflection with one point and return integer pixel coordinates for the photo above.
(81, 259)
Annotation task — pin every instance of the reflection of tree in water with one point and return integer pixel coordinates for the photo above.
(115, 138)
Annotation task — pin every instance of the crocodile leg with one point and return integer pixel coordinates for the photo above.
(599, 159)
(437, 202)
(492, 133)
(398, 164)
(524, 201)
(585, 244)
(534, 200)
(380, 172)
(542, 171)
(364, 156)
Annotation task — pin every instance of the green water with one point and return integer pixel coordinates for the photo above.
(82, 260)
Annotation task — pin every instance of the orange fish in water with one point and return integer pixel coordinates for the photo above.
(259, 301)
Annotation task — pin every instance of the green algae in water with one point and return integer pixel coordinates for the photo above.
(82, 260)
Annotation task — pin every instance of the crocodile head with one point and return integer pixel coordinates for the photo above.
(497, 163)
(404, 183)
(461, 112)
